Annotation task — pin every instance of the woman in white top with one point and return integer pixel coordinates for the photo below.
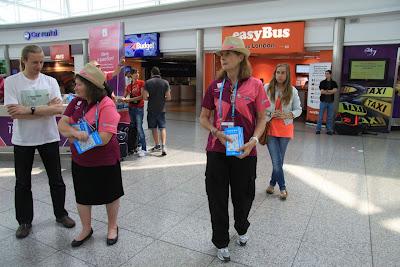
(285, 106)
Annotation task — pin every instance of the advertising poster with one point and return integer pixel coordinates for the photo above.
(396, 102)
(7, 128)
(367, 93)
(142, 45)
(5, 131)
(106, 46)
(276, 38)
(316, 75)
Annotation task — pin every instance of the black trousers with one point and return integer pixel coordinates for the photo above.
(240, 174)
(23, 160)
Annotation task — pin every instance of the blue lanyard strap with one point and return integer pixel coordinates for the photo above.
(233, 99)
(97, 117)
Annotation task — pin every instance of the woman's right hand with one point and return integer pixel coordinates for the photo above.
(223, 138)
(81, 136)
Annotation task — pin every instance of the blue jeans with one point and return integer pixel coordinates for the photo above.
(136, 115)
(329, 116)
(277, 148)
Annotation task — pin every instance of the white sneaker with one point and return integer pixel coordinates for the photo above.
(242, 240)
(223, 254)
(141, 153)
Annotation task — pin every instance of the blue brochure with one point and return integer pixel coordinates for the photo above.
(82, 126)
(236, 133)
(93, 141)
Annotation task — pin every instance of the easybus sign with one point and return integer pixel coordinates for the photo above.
(275, 38)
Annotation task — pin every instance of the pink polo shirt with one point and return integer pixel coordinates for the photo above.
(108, 119)
(250, 99)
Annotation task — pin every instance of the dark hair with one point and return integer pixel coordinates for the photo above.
(133, 71)
(94, 93)
(155, 71)
(329, 71)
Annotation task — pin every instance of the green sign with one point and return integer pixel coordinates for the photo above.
(3, 67)
(367, 70)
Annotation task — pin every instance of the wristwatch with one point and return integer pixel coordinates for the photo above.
(254, 138)
(33, 110)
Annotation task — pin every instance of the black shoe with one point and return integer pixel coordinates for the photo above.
(329, 133)
(155, 148)
(76, 243)
(23, 230)
(112, 241)
(318, 132)
(66, 221)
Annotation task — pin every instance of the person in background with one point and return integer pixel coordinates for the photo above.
(134, 96)
(96, 173)
(157, 91)
(33, 100)
(236, 98)
(285, 106)
(328, 89)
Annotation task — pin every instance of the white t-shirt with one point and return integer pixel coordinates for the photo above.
(18, 89)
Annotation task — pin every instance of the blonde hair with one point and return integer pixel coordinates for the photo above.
(25, 53)
(245, 69)
(288, 91)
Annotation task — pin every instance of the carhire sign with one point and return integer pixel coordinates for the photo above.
(29, 35)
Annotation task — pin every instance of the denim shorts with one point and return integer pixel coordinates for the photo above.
(156, 120)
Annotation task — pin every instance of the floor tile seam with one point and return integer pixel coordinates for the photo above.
(198, 251)
(305, 229)
(346, 249)
(368, 203)
(154, 240)
(75, 257)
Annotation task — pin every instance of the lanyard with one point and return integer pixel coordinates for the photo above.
(97, 117)
(233, 99)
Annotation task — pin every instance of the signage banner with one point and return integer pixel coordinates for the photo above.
(6, 129)
(60, 52)
(142, 45)
(373, 105)
(277, 38)
(106, 46)
(316, 75)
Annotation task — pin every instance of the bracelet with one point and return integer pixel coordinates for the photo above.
(254, 138)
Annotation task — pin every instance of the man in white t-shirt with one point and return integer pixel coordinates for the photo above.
(32, 100)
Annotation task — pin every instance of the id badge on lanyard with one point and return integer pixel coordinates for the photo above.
(231, 123)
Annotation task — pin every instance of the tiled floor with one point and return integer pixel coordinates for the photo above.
(343, 208)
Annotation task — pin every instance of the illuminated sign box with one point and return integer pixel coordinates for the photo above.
(368, 69)
(142, 45)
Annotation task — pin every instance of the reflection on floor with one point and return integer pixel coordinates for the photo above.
(343, 208)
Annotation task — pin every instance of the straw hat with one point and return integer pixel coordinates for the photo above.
(234, 44)
(93, 74)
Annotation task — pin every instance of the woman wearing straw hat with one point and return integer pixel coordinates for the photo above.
(97, 172)
(237, 99)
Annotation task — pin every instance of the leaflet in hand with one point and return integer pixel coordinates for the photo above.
(82, 126)
(93, 141)
(236, 134)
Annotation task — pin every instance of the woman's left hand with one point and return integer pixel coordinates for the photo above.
(246, 148)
